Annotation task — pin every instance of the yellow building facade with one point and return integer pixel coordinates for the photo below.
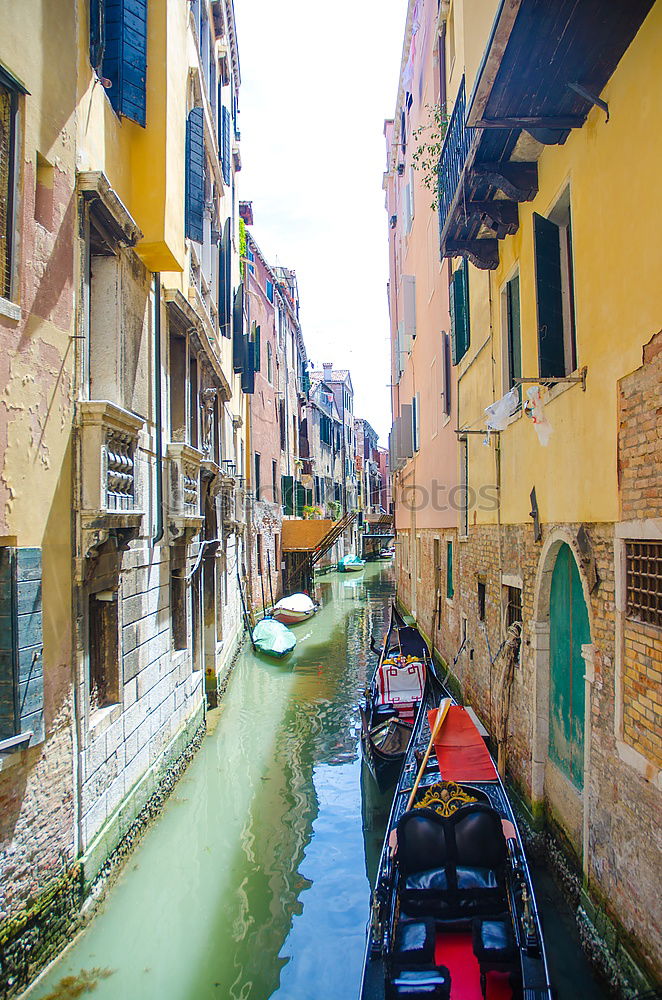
(546, 219)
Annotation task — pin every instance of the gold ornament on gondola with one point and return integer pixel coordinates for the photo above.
(445, 797)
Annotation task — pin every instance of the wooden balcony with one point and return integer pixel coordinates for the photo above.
(531, 91)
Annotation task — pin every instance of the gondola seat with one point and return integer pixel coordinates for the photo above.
(414, 943)
(432, 983)
(452, 867)
(494, 947)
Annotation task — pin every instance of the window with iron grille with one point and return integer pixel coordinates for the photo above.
(644, 581)
(8, 112)
(513, 600)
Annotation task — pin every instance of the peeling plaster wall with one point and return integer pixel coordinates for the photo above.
(36, 410)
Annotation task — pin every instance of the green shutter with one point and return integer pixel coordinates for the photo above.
(287, 494)
(309, 498)
(459, 310)
(257, 350)
(225, 282)
(514, 337)
(300, 499)
(238, 349)
(449, 569)
(549, 293)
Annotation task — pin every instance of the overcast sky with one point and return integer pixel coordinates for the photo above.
(318, 80)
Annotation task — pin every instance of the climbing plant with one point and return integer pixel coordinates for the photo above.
(428, 139)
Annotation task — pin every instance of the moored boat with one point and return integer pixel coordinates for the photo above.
(273, 638)
(293, 609)
(453, 910)
(393, 698)
(350, 564)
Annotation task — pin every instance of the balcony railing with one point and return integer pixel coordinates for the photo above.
(454, 154)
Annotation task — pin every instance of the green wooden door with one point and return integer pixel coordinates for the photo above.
(569, 631)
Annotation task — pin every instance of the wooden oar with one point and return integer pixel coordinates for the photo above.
(442, 711)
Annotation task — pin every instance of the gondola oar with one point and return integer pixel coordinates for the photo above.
(264, 608)
(438, 722)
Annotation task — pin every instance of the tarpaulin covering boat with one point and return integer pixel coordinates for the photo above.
(293, 609)
(273, 638)
(350, 564)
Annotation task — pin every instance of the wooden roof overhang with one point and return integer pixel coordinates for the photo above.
(544, 67)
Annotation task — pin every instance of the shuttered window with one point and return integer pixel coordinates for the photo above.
(225, 282)
(445, 374)
(118, 51)
(195, 175)
(450, 590)
(514, 344)
(21, 667)
(8, 112)
(287, 491)
(301, 499)
(238, 347)
(225, 144)
(549, 294)
(459, 309)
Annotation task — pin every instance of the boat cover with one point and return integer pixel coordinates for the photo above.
(460, 748)
(400, 680)
(273, 637)
(350, 561)
(300, 604)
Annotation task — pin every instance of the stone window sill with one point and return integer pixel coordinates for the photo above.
(104, 717)
(10, 310)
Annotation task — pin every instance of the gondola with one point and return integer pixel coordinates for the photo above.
(350, 564)
(393, 698)
(453, 912)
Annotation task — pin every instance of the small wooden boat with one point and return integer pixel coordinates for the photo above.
(273, 638)
(293, 609)
(453, 911)
(350, 564)
(404, 670)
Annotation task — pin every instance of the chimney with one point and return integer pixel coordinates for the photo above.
(328, 368)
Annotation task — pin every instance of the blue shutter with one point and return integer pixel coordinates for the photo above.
(225, 144)
(125, 55)
(21, 670)
(195, 174)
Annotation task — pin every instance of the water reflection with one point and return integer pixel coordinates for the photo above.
(253, 882)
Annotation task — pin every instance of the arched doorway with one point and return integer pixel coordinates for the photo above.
(569, 630)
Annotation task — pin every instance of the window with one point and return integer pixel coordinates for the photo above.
(257, 474)
(178, 616)
(644, 582)
(103, 624)
(118, 53)
(513, 602)
(557, 355)
(274, 482)
(449, 570)
(416, 421)
(445, 364)
(512, 336)
(481, 601)
(459, 309)
(270, 374)
(9, 92)
(270, 290)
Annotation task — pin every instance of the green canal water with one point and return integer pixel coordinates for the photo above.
(255, 880)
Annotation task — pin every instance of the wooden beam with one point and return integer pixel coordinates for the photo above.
(484, 254)
(492, 59)
(518, 181)
(500, 215)
(536, 121)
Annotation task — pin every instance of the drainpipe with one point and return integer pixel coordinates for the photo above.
(158, 531)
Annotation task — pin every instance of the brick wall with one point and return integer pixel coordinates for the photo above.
(640, 436)
(642, 689)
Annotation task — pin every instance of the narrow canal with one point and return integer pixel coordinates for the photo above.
(254, 882)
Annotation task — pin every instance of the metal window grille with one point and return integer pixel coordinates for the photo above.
(644, 581)
(7, 117)
(514, 612)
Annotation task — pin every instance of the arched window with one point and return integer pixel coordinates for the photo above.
(269, 363)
